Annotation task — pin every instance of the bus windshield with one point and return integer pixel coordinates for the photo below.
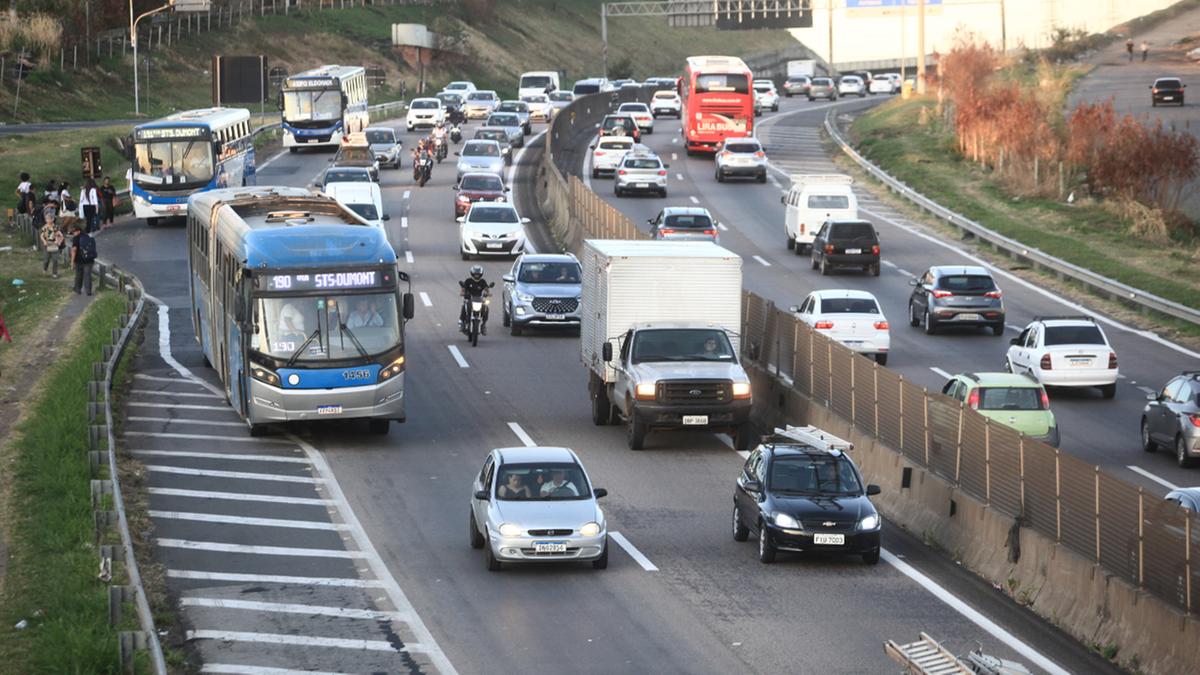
(341, 327)
(175, 163)
(312, 104)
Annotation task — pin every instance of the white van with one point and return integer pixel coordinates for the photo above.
(363, 198)
(813, 199)
(537, 82)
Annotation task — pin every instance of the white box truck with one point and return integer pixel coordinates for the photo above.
(807, 67)
(659, 337)
(537, 82)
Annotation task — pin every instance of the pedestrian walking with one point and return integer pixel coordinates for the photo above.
(24, 194)
(83, 258)
(1129, 48)
(108, 203)
(1145, 50)
(89, 201)
(52, 242)
(51, 189)
(66, 203)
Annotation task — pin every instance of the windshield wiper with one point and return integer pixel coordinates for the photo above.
(357, 344)
(299, 350)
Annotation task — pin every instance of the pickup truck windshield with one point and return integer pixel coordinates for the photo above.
(682, 344)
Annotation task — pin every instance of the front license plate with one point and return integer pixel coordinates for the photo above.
(556, 317)
(693, 420)
(495, 245)
(641, 185)
(853, 251)
(829, 539)
(968, 317)
(549, 547)
(329, 410)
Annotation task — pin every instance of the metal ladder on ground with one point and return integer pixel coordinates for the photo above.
(926, 657)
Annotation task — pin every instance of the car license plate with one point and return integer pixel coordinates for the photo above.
(968, 317)
(853, 251)
(694, 420)
(829, 539)
(1168, 98)
(329, 410)
(549, 547)
(1080, 363)
(555, 317)
(495, 244)
(641, 185)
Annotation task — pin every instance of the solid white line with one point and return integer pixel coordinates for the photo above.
(245, 520)
(299, 640)
(204, 437)
(525, 438)
(258, 550)
(425, 299)
(458, 357)
(408, 256)
(291, 608)
(404, 221)
(178, 406)
(267, 163)
(721, 227)
(407, 193)
(887, 263)
(972, 615)
(1146, 390)
(939, 371)
(170, 394)
(237, 669)
(1161, 481)
(172, 380)
(168, 420)
(512, 170)
(905, 272)
(221, 455)
(274, 579)
(729, 443)
(678, 176)
(762, 261)
(632, 551)
(693, 198)
(242, 475)
(237, 496)
(675, 139)
(164, 346)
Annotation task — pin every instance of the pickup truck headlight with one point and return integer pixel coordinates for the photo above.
(741, 390)
(647, 390)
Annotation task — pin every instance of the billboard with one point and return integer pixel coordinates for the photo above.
(889, 7)
(239, 79)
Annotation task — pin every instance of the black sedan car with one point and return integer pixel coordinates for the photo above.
(956, 295)
(796, 497)
(1167, 90)
(846, 243)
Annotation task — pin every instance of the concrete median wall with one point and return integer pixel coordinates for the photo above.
(1066, 589)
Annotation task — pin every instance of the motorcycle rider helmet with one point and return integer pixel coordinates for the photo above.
(476, 272)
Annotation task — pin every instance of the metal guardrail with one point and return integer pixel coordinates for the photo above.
(1096, 282)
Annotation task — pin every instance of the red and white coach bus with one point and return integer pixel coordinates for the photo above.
(718, 101)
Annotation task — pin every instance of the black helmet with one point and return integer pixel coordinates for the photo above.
(477, 272)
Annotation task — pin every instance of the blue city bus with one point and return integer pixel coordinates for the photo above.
(185, 153)
(320, 106)
(297, 306)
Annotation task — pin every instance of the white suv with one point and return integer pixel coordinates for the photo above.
(424, 112)
(765, 95)
(741, 157)
(1065, 351)
(640, 112)
(640, 172)
(666, 103)
(607, 153)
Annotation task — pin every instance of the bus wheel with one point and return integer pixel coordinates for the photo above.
(152, 222)
(293, 150)
(378, 427)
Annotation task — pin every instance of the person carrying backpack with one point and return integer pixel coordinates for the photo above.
(24, 194)
(83, 258)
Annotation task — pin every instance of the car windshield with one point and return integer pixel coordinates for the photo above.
(828, 202)
(1168, 84)
(851, 80)
(481, 96)
(481, 182)
(449, 99)
(634, 107)
(531, 81)
(852, 231)
(966, 282)
(881, 78)
(481, 150)
(742, 147)
(459, 85)
(587, 88)
(492, 135)
(665, 94)
(1074, 335)
(549, 481)
(697, 221)
(175, 163)
(682, 344)
(814, 475)
(616, 145)
(549, 273)
(512, 106)
(822, 81)
(849, 306)
(338, 326)
(763, 88)
(561, 96)
(492, 214)
(1010, 398)
(343, 176)
(798, 80)
(642, 164)
(535, 98)
(312, 104)
(425, 104)
(381, 136)
(722, 82)
(507, 120)
(617, 123)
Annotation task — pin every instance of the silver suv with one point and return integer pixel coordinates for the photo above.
(542, 289)
(741, 157)
(641, 172)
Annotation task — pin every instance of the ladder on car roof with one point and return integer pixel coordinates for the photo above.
(812, 436)
(926, 657)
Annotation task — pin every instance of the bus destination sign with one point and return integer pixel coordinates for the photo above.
(330, 281)
(311, 83)
(169, 133)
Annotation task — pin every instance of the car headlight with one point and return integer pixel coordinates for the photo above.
(786, 522)
(510, 530)
(516, 234)
(647, 390)
(741, 390)
(463, 199)
(590, 529)
(393, 369)
(524, 297)
(264, 375)
(871, 522)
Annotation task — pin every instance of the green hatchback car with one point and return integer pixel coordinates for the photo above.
(1016, 401)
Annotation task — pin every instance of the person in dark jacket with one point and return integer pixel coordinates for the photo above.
(83, 258)
(474, 285)
(108, 203)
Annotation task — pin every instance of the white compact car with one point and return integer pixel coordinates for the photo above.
(765, 95)
(666, 103)
(364, 199)
(424, 112)
(491, 229)
(1065, 351)
(884, 84)
(850, 317)
(607, 154)
(851, 85)
(640, 112)
(740, 157)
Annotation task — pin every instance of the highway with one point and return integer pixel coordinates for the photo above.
(375, 574)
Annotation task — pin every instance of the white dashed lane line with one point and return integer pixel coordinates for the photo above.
(407, 193)
(425, 299)
(693, 198)
(458, 357)
(632, 551)
(762, 261)
(404, 222)
(939, 371)
(408, 256)
(1161, 481)
(525, 438)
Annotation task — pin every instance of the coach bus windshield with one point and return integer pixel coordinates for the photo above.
(175, 163)
(317, 328)
(312, 104)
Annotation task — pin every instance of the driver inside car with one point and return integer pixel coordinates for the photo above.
(558, 481)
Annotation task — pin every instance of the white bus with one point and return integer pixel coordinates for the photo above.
(321, 105)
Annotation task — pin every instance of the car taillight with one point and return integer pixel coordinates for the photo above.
(711, 233)
(801, 228)
(828, 248)
(875, 249)
(823, 325)
(973, 399)
(464, 199)
(1112, 360)
(726, 153)
(1195, 420)
(599, 153)
(993, 294)
(1045, 363)
(881, 325)
(937, 293)
(621, 172)
(760, 153)
(666, 231)
(1045, 399)
(662, 172)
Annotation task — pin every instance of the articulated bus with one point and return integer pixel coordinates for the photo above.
(321, 105)
(186, 153)
(718, 101)
(297, 306)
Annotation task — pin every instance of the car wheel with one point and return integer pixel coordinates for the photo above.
(516, 329)
(636, 432)
(616, 191)
(505, 317)
(874, 269)
(1153, 103)
(811, 99)
(871, 558)
(379, 427)
(465, 255)
(766, 549)
(1007, 365)
(930, 325)
(740, 531)
(913, 319)
(825, 268)
(663, 194)
(1148, 444)
(775, 108)
(1181, 452)
(476, 537)
(258, 430)
(718, 176)
(489, 560)
(1109, 390)
(813, 261)
(293, 150)
(601, 563)
(998, 329)
(595, 173)
(791, 244)
(801, 249)
(881, 359)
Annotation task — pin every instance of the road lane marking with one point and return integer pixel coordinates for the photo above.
(299, 640)
(219, 547)
(292, 608)
(675, 140)
(407, 193)
(273, 579)
(674, 156)
(939, 371)
(762, 261)
(238, 669)
(408, 256)
(178, 406)
(168, 420)
(172, 380)
(1146, 390)
(693, 198)
(240, 475)
(512, 169)
(972, 614)
(221, 455)
(425, 299)
(678, 176)
(632, 551)
(458, 357)
(238, 496)
(1161, 481)
(404, 221)
(729, 443)
(206, 437)
(905, 272)
(246, 520)
(179, 394)
(525, 438)
(887, 263)
(267, 163)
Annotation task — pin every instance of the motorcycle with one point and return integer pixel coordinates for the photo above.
(456, 134)
(424, 170)
(439, 148)
(473, 311)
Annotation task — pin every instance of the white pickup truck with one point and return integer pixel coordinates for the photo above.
(658, 336)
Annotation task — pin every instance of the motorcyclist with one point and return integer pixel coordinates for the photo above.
(439, 132)
(474, 285)
(438, 140)
(457, 116)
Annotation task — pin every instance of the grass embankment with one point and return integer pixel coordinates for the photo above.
(51, 581)
(55, 155)
(925, 156)
(31, 305)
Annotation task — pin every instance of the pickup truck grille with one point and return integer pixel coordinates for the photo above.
(555, 305)
(694, 391)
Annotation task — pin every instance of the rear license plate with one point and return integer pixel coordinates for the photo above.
(853, 251)
(329, 410)
(694, 420)
(968, 317)
(549, 547)
(829, 539)
(641, 185)
(555, 317)
(1168, 98)
(495, 245)
(852, 343)
(1080, 363)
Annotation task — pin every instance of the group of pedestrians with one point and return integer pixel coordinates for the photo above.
(1145, 48)
(68, 223)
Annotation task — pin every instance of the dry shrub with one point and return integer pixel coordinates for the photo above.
(41, 33)
(1145, 222)
(8, 33)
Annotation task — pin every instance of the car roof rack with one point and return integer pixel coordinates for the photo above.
(1067, 317)
(810, 436)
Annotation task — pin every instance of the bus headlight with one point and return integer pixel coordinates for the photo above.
(392, 369)
(264, 375)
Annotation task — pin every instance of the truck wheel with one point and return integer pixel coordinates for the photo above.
(791, 244)
(602, 410)
(741, 437)
(636, 432)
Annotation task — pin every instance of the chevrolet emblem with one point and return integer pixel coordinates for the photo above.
(829, 523)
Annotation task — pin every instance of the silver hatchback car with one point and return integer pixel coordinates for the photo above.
(684, 223)
(511, 124)
(521, 110)
(480, 155)
(741, 157)
(640, 172)
(537, 505)
(542, 291)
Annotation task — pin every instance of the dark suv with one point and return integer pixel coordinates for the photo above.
(1167, 90)
(846, 243)
(956, 295)
(620, 125)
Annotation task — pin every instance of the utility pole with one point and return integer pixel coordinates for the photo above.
(604, 36)
(1003, 30)
(920, 46)
(830, 15)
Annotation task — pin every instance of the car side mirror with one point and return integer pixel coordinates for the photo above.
(481, 494)
(599, 492)
(407, 306)
(1015, 341)
(507, 189)
(457, 153)
(387, 216)
(592, 146)
(525, 221)
(508, 279)
(1152, 396)
(752, 486)
(873, 490)
(606, 352)
(794, 309)
(460, 219)
(650, 221)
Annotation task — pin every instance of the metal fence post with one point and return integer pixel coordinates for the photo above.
(1187, 558)
(1021, 470)
(812, 366)
(1096, 487)
(901, 386)
(875, 402)
(853, 407)
(926, 393)
(987, 461)
(1141, 538)
(958, 442)
(829, 373)
(1057, 496)
(778, 344)
(795, 341)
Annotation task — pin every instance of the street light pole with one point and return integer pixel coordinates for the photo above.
(133, 22)
(604, 36)
(920, 46)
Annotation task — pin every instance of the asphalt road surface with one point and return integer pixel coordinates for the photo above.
(682, 596)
